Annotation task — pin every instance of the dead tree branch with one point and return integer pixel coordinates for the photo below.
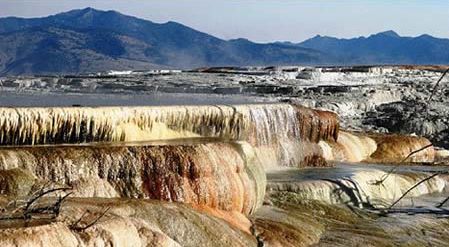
(52, 209)
(75, 226)
(414, 210)
(26, 209)
(40, 195)
(57, 206)
(416, 185)
(441, 204)
(437, 84)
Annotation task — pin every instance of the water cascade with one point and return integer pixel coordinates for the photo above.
(62, 125)
(279, 131)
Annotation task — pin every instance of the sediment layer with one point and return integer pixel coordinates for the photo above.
(349, 147)
(293, 221)
(224, 176)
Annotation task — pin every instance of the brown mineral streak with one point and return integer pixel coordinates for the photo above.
(213, 174)
(395, 148)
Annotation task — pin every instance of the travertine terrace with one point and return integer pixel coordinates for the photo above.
(311, 156)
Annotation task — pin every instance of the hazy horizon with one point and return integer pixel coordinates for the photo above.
(267, 20)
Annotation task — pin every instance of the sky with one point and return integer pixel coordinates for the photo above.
(267, 20)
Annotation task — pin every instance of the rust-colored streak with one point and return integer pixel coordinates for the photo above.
(211, 174)
(316, 125)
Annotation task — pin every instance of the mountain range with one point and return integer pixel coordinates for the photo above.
(90, 40)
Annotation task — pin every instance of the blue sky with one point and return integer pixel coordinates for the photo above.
(268, 20)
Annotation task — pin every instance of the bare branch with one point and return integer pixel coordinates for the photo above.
(416, 185)
(57, 205)
(441, 204)
(41, 194)
(437, 84)
(416, 151)
(75, 226)
(25, 209)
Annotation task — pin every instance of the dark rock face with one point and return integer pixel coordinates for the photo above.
(412, 116)
(316, 126)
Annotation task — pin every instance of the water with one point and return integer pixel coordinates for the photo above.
(46, 99)
(355, 184)
(341, 170)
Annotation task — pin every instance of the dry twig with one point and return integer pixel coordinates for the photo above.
(75, 226)
(437, 84)
(416, 185)
(28, 210)
(25, 209)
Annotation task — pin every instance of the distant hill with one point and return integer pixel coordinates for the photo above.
(383, 48)
(89, 40)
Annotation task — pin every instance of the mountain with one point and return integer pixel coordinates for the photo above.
(383, 48)
(90, 40)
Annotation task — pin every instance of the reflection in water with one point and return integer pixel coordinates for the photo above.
(42, 99)
(355, 184)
